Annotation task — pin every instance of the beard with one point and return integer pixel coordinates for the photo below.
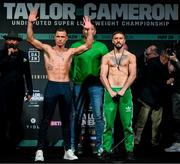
(118, 46)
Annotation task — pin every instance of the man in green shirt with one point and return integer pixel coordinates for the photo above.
(85, 72)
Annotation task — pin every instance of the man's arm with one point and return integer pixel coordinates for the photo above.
(104, 74)
(132, 75)
(30, 34)
(89, 40)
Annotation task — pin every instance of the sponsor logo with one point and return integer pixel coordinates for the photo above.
(32, 124)
(34, 56)
(128, 109)
(55, 123)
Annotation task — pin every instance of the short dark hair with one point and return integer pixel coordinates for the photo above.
(62, 29)
(118, 32)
